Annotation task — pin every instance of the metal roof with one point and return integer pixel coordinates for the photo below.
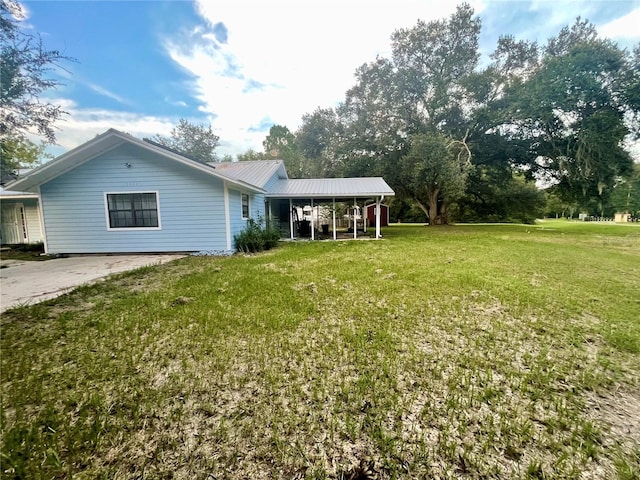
(330, 188)
(103, 143)
(256, 173)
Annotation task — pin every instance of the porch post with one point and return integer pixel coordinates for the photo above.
(291, 218)
(365, 217)
(355, 222)
(313, 236)
(334, 219)
(378, 200)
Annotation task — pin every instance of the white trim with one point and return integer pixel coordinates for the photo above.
(355, 221)
(291, 218)
(333, 215)
(41, 215)
(131, 229)
(378, 203)
(242, 195)
(227, 217)
(24, 226)
(313, 236)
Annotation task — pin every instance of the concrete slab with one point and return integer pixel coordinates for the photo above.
(25, 282)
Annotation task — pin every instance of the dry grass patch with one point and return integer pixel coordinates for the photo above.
(432, 354)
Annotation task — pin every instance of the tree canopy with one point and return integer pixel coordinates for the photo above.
(558, 113)
(196, 141)
(26, 72)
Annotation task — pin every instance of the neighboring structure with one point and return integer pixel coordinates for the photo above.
(119, 194)
(371, 215)
(19, 218)
(622, 217)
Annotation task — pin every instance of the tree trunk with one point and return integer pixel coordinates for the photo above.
(435, 216)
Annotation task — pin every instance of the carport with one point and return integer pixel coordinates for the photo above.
(286, 193)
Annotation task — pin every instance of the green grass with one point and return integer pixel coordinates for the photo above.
(482, 351)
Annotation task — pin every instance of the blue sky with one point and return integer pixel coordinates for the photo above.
(243, 66)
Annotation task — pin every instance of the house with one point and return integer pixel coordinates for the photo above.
(19, 218)
(120, 194)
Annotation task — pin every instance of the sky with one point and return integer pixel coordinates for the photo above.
(242, 66)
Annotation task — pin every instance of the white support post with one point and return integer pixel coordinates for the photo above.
(365, 218)
(313, 236)
(355, 222)
(334, 219)
(378, 200)
(291, 218)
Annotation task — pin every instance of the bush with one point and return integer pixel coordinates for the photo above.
(257, 236)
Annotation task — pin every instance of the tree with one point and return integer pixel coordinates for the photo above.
(433, 174)
(572, 112)
(251, 155)
(196, 141)
(19, 153)
(25, 73)
(317, 140)
(433, 61)
(282, 144)
(404, 113)
(625, 197)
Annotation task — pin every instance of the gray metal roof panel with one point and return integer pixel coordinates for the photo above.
(330, 188)
(257, 172)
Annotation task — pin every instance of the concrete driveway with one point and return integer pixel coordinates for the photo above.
(32, 282)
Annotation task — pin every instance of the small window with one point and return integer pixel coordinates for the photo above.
(133, 210)
(245, 206)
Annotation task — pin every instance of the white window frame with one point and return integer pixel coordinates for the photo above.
(242, 196)
(131, 229)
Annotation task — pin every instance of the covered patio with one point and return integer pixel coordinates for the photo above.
(288, 197)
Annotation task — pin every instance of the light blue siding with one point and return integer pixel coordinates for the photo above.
(256, 210)
(191, 206)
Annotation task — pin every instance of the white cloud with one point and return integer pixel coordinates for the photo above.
(82, 125)
(303, 54)
(107, 93)
(626, 27)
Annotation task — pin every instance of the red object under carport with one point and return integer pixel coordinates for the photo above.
(371, 215)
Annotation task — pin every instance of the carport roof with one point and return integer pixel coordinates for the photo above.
(360, 187)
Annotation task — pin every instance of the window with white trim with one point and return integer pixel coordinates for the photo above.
(245, 206)
(133, 210)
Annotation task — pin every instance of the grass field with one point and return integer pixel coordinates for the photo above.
(485, 351)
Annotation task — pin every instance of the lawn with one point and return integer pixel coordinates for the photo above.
(471, 351)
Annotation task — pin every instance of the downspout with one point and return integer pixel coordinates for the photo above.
(378, 203)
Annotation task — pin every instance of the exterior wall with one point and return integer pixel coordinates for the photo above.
(256, 210)
(191, 206)
(31, 227)
(281, 173)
